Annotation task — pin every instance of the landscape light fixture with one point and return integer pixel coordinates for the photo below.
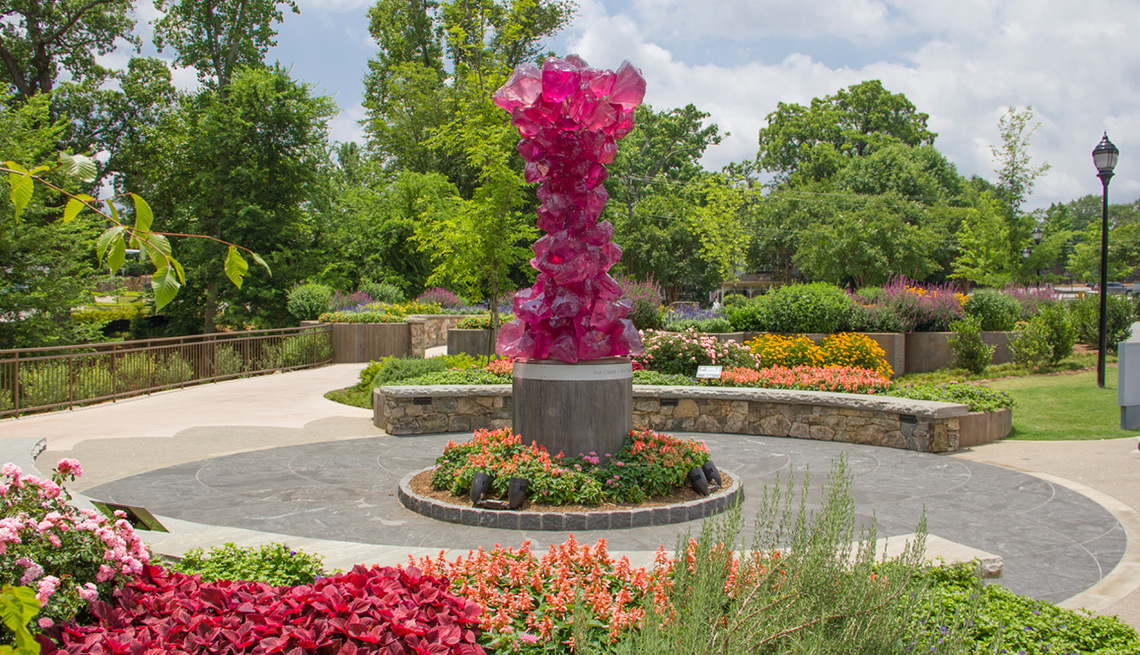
(1105, 156)
(1037, 233)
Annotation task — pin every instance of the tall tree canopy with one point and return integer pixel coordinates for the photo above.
(215, 37)
(813, 142)
(39, 40)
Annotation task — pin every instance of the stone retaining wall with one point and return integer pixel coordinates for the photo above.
(919, 425)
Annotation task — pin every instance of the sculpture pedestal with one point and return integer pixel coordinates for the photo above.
(574, 408)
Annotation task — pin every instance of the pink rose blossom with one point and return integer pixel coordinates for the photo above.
(46, 588)
(68, 466)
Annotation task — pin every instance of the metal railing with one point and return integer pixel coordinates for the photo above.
(41, 379)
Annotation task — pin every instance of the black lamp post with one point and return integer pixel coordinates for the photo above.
(1104, 156)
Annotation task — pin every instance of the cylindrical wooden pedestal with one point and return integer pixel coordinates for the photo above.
(574, 408)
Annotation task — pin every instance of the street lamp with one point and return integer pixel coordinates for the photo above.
(1104, 156)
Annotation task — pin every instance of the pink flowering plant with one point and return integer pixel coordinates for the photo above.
(648, 464)
(807, 378)
(69, 557)
(683, 352)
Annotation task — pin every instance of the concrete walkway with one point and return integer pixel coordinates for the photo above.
(1072, 493)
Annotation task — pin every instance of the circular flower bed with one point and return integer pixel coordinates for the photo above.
(645, 483)
(649, 464)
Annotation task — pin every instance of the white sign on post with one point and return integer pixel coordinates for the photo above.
(709, 371)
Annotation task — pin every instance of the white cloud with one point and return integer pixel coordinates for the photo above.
(963, 62)
(345, 126)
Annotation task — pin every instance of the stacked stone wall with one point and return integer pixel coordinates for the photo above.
(922, 426)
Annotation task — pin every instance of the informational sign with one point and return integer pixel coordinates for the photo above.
(709, 371)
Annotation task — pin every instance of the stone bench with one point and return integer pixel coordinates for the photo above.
(919, 425)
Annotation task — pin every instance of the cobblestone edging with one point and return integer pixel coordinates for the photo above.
(692, 510)
(919, 425)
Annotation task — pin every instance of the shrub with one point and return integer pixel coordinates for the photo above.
(441, 297)
(1029, 343)
(1062, 333)
(306, 349)
(978, 398)
(816, 307)
(274, 563)
(1086, 317)
(966, 345)
(877, 318)
(917, 307)
(415, 307)
(645, 302)
(227, 361)
(805, 378)
(70, 557)
(706, 325)
(377, 610)
(748, 315)
(664, 379)
(371, 316)
(394, 369)
(786, 351)
(671, 352)
(855, 351)
(1002, 621)
(349, 301)
(482, 321)
(1032, 300)
(646, 314)
(308, 301)
(382, 291)
(995, 310)
(459, 377)
(868, 295)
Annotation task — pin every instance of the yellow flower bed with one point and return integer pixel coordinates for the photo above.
(843, 350)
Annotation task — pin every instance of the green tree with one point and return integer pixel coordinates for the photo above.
(428, 97)
(373, 226)
(868, 242)
(244, 165)
(41, 40)
(984, 242)
(1123, 245)
(1016, 178)
(46, 268)
(217, 37)
(811, 143)
(657, 187)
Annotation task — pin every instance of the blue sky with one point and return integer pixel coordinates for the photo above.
(964, 62)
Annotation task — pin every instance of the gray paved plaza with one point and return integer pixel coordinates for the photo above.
(268, 458)
(1054, 542)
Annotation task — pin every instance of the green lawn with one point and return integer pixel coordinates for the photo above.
(1057, 407)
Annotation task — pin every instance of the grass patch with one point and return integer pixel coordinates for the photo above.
(351, 396)
(1064, 407)
(1070, 364)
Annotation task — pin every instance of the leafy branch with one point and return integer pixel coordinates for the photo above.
(169, 275)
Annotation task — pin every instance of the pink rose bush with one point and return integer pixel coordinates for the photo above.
(683, 352)
(69, 557)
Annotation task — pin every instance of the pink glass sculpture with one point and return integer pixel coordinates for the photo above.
(570, 117)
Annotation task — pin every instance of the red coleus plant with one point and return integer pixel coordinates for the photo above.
(378, 610)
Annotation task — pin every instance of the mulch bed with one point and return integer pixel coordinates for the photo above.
(421, 484)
